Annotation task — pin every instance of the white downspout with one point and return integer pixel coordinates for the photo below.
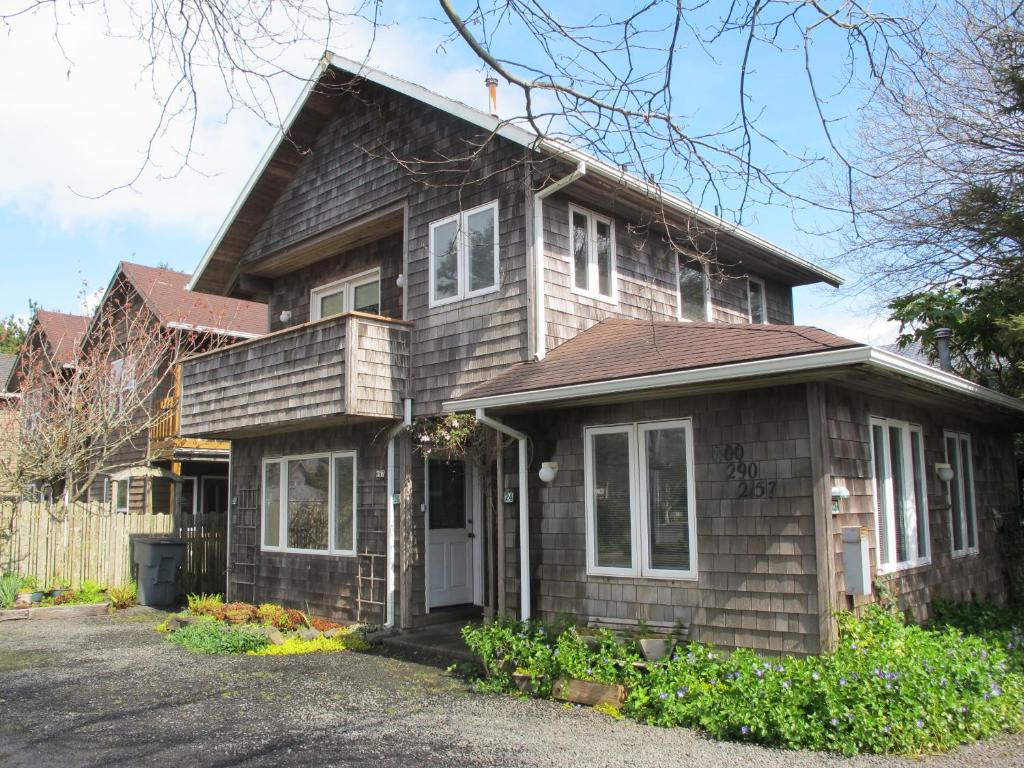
(538, 251)
(524, 510)
(389, 607)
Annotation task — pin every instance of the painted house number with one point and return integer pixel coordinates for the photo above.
(746, 474)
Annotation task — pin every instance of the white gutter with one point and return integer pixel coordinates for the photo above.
(538, 252)
(389, 606)
(219, 331)
(524, 510)
(886, 362)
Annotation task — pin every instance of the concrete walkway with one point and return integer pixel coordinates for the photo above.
(441, 640)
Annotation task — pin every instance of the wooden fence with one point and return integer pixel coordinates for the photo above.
(89, 541)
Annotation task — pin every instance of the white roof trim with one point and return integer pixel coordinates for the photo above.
(871, 357)
(514, 133)
(209, 329)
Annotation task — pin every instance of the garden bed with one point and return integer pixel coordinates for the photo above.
(890, 687)
(56, 612)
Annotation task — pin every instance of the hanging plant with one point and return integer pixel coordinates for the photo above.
(456, 435)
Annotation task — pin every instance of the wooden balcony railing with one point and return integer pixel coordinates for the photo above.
(165, 440)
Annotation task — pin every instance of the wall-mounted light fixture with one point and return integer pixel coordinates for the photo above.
(839, 493)
(400, 281)
(548, 470)
(285, 316)
(944, 471)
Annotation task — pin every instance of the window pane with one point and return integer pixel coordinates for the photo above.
(692, 296)
(968, 486)
(955, 496)
(122, 495)
(332, 304)
(308, 500)
(581, 251)
(604, 259)
(447, 494)
(756, 293)
(272, 505)
(878, 445)
(480, 226)
(899, 501)
(344, 509)
(920, 494)
(612, 505)
(366, 297)
(667, 499)
(446, 261)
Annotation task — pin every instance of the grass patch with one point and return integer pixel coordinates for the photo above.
(890, 687)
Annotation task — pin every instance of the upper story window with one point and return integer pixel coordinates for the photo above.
(640, 500)
(963, 520)
(122, 372)
(756, 300)
(360, 293)
(592, 246)
(464, 255)
(693, 289)
(901, 501)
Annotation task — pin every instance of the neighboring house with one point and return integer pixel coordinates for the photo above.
(702, 457)
(163, 470)
(9, 424)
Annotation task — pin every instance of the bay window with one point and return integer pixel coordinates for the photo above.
(962, 517)
(640, 501)
(463, 253)
(592, 251)
(309, 503)
(901, 500)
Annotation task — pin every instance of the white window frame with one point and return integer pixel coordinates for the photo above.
(593, 276)
(461, 220)
(679, 290)
(639, 528)
(764, 300)
(106, 490)
(282, 462)
(966, 550)
(347, 285)
(909, 493)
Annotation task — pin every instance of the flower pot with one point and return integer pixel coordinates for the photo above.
(654, 648)
(55, 593)
(588, 692)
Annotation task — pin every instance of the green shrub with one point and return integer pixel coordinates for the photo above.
(205, 605)
(123, 596)
(889, 687)
(214, 637)
(10, 584)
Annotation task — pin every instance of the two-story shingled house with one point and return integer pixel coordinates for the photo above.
(676, 450)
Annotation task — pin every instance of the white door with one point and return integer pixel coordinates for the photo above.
(450, 535)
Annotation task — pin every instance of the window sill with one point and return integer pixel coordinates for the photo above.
(465, 297)
(312, 552)
(609, 573)
(965, 553)
(901, 568)
(613, 300)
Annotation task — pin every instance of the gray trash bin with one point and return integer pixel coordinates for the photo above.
(159, 560)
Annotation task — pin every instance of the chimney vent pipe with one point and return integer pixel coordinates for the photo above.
(492, 95)
(942, 336)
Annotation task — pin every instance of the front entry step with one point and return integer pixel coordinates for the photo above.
(441, 640)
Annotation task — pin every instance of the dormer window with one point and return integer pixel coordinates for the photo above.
(464, 255)
(592, 248)
(693, 289)
(756, 300)
(358, 293)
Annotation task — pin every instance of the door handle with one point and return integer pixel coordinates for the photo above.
(471, 535)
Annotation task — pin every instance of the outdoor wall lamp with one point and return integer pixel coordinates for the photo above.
(548, 470)
(285, 316)
(839, 493)
(944, 471)
(400, 281)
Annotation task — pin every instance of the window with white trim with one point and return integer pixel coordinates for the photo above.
(901, 499)
(309, 504)
(592, 254)
(963, 521)
(359, 293)
(693, 289)
(756, 310)
(640, 500)
(121, 488)
(464, 255)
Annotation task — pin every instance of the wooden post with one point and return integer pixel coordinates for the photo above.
(821, 478)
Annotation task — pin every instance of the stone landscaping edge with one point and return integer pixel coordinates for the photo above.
(56, 612)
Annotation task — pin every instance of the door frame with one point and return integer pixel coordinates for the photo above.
(474, 525)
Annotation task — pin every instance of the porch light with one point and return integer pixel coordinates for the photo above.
(400, 281)
(548, 470)
(839, 493)
(285, 316)
(944, 471)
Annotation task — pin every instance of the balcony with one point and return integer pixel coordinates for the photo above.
(166, 442)
(351, 366)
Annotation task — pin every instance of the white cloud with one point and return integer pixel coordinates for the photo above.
(848, 316)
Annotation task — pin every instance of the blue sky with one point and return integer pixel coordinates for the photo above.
(78, 129)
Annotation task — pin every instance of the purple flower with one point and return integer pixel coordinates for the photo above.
(886, 728)
(745, 730)
(834, 721)
(997, 691)
(984, 654)
(842, 681)
(888, 686)
(785, 684)
(815, 676)
(713, 681)
(759, 672)
(780, 668)
(963, 710)
(662, 696)
(942, 682)
(853, 646)
(877, 672)
(590, 670)
(682, 691)
(919, 723)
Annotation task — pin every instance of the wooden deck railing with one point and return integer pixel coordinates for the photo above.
(168, 421)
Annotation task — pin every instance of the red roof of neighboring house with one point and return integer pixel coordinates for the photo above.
(165, 293)
(63, 333)
(622, 348)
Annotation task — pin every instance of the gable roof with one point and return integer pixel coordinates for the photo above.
(622, 356)
(6, 366)
(63, 332)
(166, 293)
(312, 112)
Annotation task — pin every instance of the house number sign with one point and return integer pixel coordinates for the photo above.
(749, 484)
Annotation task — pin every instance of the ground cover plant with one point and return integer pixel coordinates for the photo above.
(60, 592)
(890, 686)
(209, 625)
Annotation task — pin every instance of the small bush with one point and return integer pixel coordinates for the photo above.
(273, 615)
(215, 637)
(323, 625)
(205, 605)
(10, 585)
(297, 618)
(123, 596)
(239, 613)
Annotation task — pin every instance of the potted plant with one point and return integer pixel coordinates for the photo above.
(652, 646)
(58, 587)
(29, 590)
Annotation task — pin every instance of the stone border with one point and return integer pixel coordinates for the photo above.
(56, 612)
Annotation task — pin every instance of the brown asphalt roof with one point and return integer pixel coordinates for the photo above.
(164, 290)
(63, 333)
(621, 348)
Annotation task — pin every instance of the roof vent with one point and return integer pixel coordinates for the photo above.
(492, 95)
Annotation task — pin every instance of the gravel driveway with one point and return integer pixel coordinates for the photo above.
(110, 691)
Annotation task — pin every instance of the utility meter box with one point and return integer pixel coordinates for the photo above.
(856, 561)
